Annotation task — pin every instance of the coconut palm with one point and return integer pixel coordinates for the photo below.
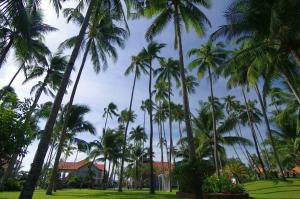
(53, 70)
(23, 44)
(44, 142)
(179, 12)
(76, 125)
(100, 30)
(138, 135)
(169, 70)
(39, 157)
(208, 58)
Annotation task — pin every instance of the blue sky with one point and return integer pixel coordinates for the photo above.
(97, 91)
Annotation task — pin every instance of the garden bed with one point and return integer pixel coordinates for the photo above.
(214, 195)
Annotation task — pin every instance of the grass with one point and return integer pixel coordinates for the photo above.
(276, 190)
(86, 193)
(257, 190)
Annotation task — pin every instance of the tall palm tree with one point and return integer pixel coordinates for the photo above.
(53, 70)
(101, 30)
(75, 125)
(150, 54)
(238, 77)
(138, 135)
(208, 57)
(39, 157)
(179, 12)
(44, 142)
(169, 70)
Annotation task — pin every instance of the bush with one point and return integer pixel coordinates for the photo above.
(222, 184)
(190, 174)
(74, 182)
(12, 184)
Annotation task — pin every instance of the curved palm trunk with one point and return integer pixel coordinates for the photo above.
(253, 134)
(291, 86)
(125, 135)
(269, 131)
(171, 154)
(38, 160)
(152, 188)
(186, 105)
(214, 123)
(4, 91)
(5, 51)
(65, 126)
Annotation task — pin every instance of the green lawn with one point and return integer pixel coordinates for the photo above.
(271, 189)
(257, 190)
(84, 193)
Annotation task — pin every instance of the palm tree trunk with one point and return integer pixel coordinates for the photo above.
(152, 188)
(38, 160)
(104, 172)
(76, 155)
(291, 86)
(112, 172)
(5, 51)
(186, 105)
(269, 132)
(125, 135)
(89, 170)
(253, 134)
(171, 136)
(179, 128)
(162, 171)
(66, 122)
(214, 123)
(4, 91)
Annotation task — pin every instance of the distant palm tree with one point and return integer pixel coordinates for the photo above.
(109, 111)
(208, 58)
(168, 71)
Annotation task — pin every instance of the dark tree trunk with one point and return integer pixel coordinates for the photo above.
(214, 123)
(295, 54)
(38, 160)
(104, 172)
(5, 51)
(4, 91)
(186, 105)
(66, 123)
(269, 131)
(171, 154)
(125, 135)
(253, 134)
(152, 180)
(89, 170)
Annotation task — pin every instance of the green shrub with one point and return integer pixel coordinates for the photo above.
(74, 182)
(12, 184)
(221, 184)
(190, 174)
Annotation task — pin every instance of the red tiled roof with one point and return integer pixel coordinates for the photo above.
(99, 166)
(77, 165)
(165, 166)
(296, 169)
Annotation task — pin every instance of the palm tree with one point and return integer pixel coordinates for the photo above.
(208, 57)
(169, 70)
(53, 70)
(45, 139)
(238, 77)
(76, 125)
(97, 41)
(39, 157)
(138, 135)
(180, 11)
(109, 111)
(24, 45)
